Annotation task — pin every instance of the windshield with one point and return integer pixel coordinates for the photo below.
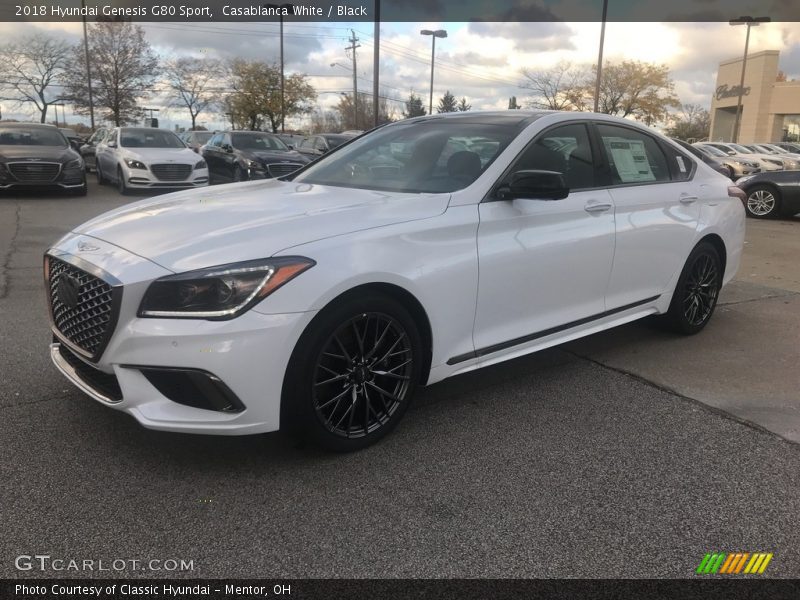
(258, 141)
(712, 151)
(149, 138)
(201, 136)
(429, 156)
(337, 140)
(35, 136)
(741, 149)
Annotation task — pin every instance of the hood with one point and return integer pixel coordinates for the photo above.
(213, 226)
(37, 152)
(150, 155)
(275, 157)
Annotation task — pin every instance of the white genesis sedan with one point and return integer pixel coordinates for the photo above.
(320, 301)
(146, 158)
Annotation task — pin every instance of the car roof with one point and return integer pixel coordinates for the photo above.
(27, 125)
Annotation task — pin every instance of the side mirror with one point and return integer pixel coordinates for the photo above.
(112, 144)
(534, 185)
(227, 148)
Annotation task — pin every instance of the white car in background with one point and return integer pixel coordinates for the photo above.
(320, 301)
(767, 162)
(148, 158)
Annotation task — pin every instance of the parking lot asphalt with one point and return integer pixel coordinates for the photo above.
(628, 454)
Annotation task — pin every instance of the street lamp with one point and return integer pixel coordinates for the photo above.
(600, 58)
(280, 10)
(440, 33)
(750, 22)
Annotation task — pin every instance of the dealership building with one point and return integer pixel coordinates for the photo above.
(770, 108)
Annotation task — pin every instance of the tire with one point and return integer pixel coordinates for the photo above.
(122, 188)
(763, 202)
(696, 292)
(101, 180)
(353, 373)
(238, 174)
(731, 174)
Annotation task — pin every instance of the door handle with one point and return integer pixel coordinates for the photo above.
(597, 207)
(687, 199)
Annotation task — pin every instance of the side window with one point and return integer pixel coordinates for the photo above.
(680, 165)
(226, 140)
(633, 157)
(319, 144)
(214, 141)
(564, 149)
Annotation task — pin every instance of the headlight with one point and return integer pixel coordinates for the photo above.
(254, 164)
(135, 164)
(221, 292)
(74, 164)
(201, 165)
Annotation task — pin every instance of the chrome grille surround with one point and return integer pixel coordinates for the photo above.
(171, 171)
(84, 305)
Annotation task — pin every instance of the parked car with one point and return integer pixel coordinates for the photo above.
(789, 161)
(715, 163)
(148, 158)
(89, 148)
(765, 162)
(243, 155)
(75, 140)
(196, 139)
(292, 140)
(781, 152)
(772, 194)
(790, 146)
(317, 145)
(736, 166)
(320, 301)
(35, 156)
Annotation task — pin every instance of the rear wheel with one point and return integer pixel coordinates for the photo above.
(697, 291)
(353, 373)
(763, 202)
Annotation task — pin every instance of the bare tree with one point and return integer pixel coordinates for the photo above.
(30, 68)
(562, 87)
(194, 82)
(123, 67)
(691, 124)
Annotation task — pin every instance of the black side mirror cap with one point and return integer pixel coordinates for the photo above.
(534, 185)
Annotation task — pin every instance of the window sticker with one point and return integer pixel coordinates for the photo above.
(681, 164)
(630, 159)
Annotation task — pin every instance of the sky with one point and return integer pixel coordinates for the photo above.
(480, 61)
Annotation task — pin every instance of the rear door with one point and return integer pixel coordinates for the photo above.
(657, 205)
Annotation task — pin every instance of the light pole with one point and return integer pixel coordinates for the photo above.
(750, 22)
(440, 33)
(280, 10)
(88, 67)
(600, 57)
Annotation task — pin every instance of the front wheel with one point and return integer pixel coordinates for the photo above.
(353, 373)
(763, 202)
(697, 291)
(122, 187)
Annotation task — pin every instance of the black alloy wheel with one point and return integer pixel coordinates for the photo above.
(122, 188)
(238, 174)
(360, 370)
(697, 291)
(101, 180)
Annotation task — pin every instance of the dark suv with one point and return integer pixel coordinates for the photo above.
(243, 155)
(38, 156)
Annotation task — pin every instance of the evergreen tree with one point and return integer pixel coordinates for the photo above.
(414, 107)
(447, 103)
(463, 106)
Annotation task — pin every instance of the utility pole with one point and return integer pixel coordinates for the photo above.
(376, 60)
(88, 67)
(600, 58)
(353, 46)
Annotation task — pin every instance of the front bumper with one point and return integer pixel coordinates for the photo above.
(245, 357)
(145, 179)
(68, 179)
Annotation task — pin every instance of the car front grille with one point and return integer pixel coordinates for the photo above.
(82, 306)
(106, 384)
(171, 171)
(34, 171)
(281, 169)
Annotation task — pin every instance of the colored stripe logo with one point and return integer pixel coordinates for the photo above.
(734, 563)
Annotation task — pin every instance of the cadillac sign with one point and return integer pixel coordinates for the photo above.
(724, 91)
